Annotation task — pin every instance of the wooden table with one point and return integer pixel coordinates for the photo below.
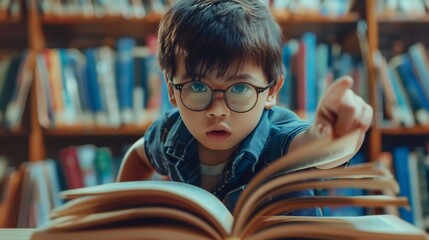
(15, 233)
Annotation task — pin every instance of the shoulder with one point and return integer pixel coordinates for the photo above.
(282, 114)
(283, 120)
(285, 125)
(162, 124)
(157, 135)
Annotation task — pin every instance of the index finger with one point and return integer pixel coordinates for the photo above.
(336, 91)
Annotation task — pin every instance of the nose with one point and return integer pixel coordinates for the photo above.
(218, 107)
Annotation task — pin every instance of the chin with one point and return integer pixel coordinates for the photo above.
(218, 145)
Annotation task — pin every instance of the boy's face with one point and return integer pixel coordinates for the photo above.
(218, 127)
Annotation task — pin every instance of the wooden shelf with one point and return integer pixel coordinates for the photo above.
(80, 19)
(294, 26)
(284, 17)
(281, 16)
(13, 133)
(97, 131)
(416, 130)
(9, 20)
(402, 18)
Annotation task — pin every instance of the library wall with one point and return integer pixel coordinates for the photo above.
(102, 110)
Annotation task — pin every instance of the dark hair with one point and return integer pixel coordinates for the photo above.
(213, 34)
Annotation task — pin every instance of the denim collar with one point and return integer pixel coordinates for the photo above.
(181, 147)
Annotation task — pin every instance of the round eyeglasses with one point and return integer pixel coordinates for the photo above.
(240, 97)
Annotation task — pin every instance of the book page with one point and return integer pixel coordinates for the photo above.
(200, 201)
(317, 153)
(263, 199)
(362, 227)
(124, 233)
(134, 216)
(115, 201)
(277, 208)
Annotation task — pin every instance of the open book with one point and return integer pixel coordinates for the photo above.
(173, 210)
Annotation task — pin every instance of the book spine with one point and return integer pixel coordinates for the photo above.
(106, 80)
(70, 163)
(420, 61)
(16, 106)
(125, 78)
(400, 157)
(401, 65)
(310, 41)
(9, 85)
(56, 83)
(92, 84)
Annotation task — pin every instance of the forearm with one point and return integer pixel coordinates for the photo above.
(313, 133)
(135, 165)
(305, 137)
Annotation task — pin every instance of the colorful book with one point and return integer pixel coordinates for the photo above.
(400, 159)
(125, 78)
(104, 165)
(69, 160)
(420, 104)
(16, 105)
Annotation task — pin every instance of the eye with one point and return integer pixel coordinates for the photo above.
(240, 88)
(198, 87)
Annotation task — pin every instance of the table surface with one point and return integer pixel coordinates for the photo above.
(15, 233)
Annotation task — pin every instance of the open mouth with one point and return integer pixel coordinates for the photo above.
(218, 135)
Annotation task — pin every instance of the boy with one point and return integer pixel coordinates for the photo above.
(222, 62)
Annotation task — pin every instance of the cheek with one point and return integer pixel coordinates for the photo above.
(193, 120)
(246, 122)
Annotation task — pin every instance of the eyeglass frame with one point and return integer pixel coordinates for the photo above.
(179, 87)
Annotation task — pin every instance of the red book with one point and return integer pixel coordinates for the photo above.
(69, 161)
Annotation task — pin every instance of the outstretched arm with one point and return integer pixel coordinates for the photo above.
(135, 165)
(340, 111)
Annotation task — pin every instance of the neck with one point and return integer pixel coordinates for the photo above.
(212, 157)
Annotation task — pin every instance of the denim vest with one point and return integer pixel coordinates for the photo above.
(172, 150)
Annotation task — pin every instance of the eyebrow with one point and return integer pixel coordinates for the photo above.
(243, 76)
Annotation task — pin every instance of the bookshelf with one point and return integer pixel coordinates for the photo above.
(14, 39)
(55, 31)
(399, 131)
(37, 31)
(393, 35)
(383, 30)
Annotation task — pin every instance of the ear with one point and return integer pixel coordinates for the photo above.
(272, 95)
(170, 88)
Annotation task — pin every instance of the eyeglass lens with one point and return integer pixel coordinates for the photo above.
(239, 97)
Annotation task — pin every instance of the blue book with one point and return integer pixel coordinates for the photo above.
(103, 163)
(284, 96)
(77, 64)
(426, 165)
(125, 77)
(165, 102)
(10, 83)
(92, 82)
(405, 71)
(401, 64)
(400, 161)
(346, 62)
(141, 72)
(404, 105)
(68, 83)
(420, 61)
(310, 42)
(324, 73)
